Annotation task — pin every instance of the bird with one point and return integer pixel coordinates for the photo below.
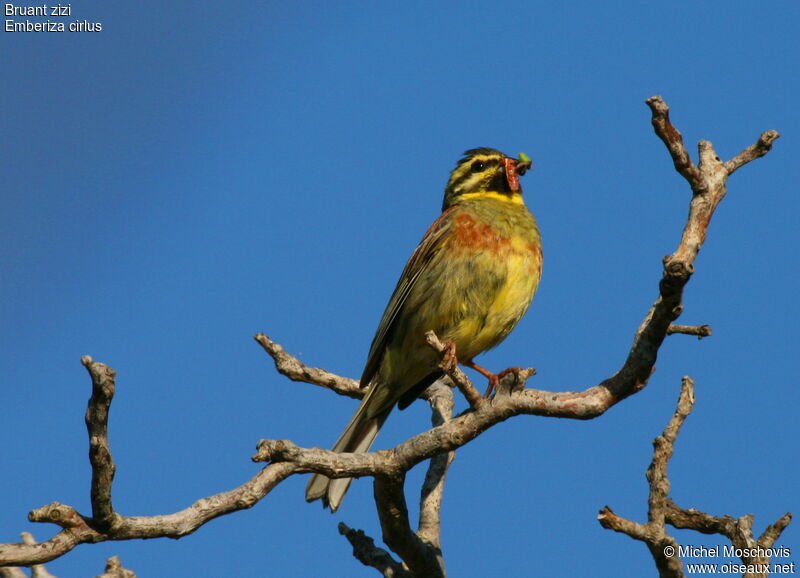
(470, 280)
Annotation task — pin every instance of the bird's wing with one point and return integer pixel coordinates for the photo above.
(418, 262)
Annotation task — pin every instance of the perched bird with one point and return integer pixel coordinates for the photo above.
(470, 280)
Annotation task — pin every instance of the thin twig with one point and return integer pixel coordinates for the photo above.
(296, 370)
(699, 331)
(761, 147)
(772, 532)
(672, 138)
(77, 531)
(738, 530)
(114, 569)
(662, 510)
(663, 448)
(103, 467)
(366, 552)
(662, 546)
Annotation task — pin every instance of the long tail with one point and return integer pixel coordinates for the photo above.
(357, 437)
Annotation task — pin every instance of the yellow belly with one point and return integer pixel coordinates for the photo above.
(482, 328)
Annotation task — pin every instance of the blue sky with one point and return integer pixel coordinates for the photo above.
(198, 172)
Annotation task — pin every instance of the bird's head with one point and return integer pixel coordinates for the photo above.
(486, 172)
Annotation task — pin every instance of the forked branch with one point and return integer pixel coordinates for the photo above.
(662, 511)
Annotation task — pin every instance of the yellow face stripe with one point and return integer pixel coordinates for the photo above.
(515, 198)
(466, 168)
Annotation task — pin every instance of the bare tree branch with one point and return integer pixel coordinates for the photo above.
(366, 552)
(738, 530)
(114, 569)
(448, 364)
(421, 557)
(295, 370)
(441, 399)
(421, 550)
(761, 147)
(772, 532)
(672, 138)
(103, 467)
(699, 331)
(662, 510)
(654, 533)
(76, 529)
(37, 570)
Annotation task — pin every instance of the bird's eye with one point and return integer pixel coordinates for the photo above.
(477, 166)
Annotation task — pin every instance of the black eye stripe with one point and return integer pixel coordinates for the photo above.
(476, 166)
(467, 171)
(479, 170)
(479, 165)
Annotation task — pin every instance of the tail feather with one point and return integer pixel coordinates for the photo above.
(357, 437)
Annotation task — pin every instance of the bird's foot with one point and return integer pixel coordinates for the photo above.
(500, 376)
(448, 364)
(494, 378)
(449, 359)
